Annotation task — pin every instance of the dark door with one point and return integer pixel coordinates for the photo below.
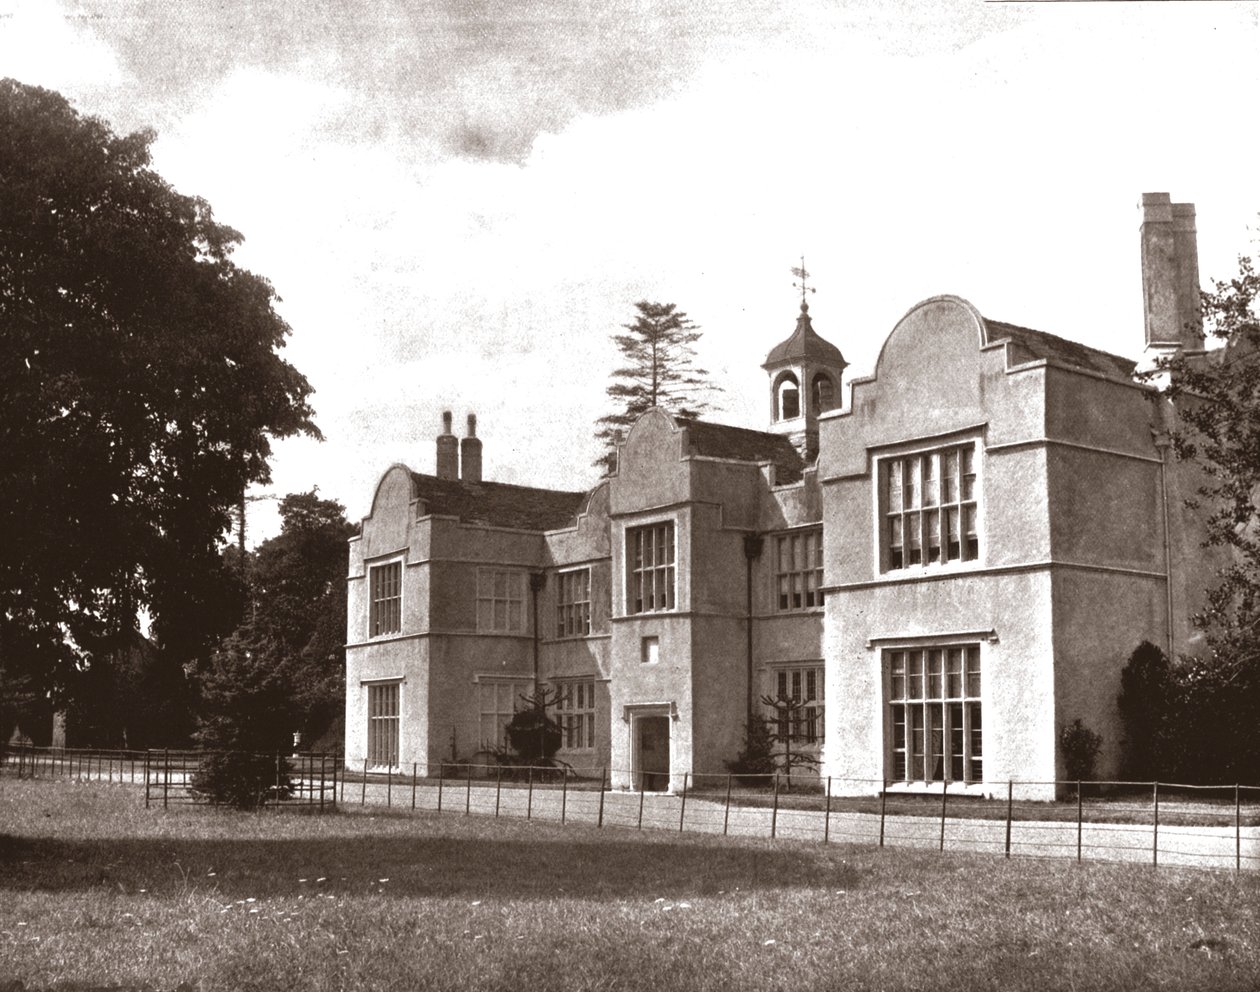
(653, 752)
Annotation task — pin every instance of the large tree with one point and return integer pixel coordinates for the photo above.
(660, 371)
(140, 385)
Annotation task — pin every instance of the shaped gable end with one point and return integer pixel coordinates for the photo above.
(386, 528)
(650, 470)
(937, 374)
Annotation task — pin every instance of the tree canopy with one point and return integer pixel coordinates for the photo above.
(659, 371)
(140, 386)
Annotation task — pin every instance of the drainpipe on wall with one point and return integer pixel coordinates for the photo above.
(752, 551)
(537, 580)
(1162, 445)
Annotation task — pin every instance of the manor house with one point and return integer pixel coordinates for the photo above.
(943, 566)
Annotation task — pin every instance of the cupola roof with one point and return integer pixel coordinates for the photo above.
(805, 343)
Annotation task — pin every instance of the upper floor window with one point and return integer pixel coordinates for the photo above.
(385, 598)
(500, 601)
(573, 603)
(798, 570)
(929, 507)
(650, 570)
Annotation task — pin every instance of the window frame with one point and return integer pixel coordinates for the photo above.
(573, 611)
(384, 724)
(514, 686)
(805, 582)
(391, 622)
(576, 713)
(636, 575)
(917, 518)
(489, 594)
(793, 678)
(933, 723)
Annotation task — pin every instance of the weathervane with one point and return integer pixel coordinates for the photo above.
(803, 286)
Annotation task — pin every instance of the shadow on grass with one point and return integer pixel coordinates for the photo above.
(616, 866)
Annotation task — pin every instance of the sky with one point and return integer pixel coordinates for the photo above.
(458, 203)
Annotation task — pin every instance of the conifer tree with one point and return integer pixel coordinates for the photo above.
(659, 371)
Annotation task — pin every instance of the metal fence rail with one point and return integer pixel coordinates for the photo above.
(1138, 822)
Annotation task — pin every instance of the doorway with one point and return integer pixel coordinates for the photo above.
(652, 753)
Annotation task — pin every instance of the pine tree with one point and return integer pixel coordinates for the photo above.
(659, 371)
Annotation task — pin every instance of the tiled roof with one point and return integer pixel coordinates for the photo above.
(805, 342)
(741, 444)
(1029, 345)
(498, 504)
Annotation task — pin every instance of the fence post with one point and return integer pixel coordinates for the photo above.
(564, 793)
(682, 810)
(441, 782)
(1010, 792)
(1080, 816)
(468, 793)
(529, 803)
(726, 817)
(413, 785)
(166, 777)
(323, 772)
(498, 788)
(389, 786)
(1237, 830)
(944, 796)
(827, 814)
(277, 792)
(774, 813)
(146, 779)
(363, 790)
(642, 793)
(603, 772)
(1155, 832)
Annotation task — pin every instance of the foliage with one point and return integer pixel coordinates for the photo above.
(787, 733)
(659, 371)
(140, 385)
(1217, 402)
(755, 763)
(246, 714)
(533, 734)
(1080, 747)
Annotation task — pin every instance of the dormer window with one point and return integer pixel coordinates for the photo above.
(788, 398)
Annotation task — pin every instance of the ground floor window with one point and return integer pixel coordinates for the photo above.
(382, 737)
(934, 703)
(576, 714)
(498, 700)
(802, 685)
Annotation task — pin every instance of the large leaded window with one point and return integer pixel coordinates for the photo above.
(798, 570)
(496, 702)
(929, 508)
(385, 598)
(934, 703)
(650, 568)
(500, 601)
(382, 729)
(576, 713)
(802, 685)
(573, 603)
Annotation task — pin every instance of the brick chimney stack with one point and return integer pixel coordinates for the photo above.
(470, 453)
(447, 450)
(1170, 275)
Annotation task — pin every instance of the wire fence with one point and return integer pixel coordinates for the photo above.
(1153, 823)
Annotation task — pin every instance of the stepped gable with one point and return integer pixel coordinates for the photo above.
(1029, 345)
(742, 444)
(498, 504)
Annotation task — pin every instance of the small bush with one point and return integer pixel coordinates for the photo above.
(1080, 747)
(755, 763)
(241, 779)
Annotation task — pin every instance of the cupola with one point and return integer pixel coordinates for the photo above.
(805, 372)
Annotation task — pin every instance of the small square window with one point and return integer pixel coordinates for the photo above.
(650, 651)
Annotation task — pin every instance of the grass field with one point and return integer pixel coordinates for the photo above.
(96, 891)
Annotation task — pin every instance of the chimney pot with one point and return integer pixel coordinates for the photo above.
(447, 450)
(470, 453)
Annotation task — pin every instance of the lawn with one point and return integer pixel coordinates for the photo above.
(97, 891)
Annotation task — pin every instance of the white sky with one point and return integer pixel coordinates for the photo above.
(459, 202)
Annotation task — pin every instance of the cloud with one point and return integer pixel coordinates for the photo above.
(47, 44)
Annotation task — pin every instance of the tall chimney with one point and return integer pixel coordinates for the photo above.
(470, 452)
(447, 450)
(1170, 275)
